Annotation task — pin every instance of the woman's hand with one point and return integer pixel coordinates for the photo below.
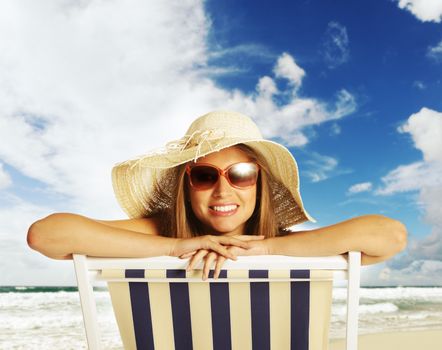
(217, 244)
(256, 247)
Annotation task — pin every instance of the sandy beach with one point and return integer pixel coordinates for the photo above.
(411, 340)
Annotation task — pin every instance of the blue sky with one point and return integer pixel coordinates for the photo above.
(353, 89)
(374, 50)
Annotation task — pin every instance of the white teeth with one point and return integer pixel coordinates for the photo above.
(224, 208)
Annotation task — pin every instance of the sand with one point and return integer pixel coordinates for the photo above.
(411, 340)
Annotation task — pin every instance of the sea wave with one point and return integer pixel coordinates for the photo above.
(51, 318)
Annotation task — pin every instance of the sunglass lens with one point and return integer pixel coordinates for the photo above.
(203, 177)
(243, 174)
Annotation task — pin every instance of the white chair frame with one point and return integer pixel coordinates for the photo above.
(88, 272)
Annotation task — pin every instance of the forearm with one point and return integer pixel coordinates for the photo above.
(58, 236)
(376, 236)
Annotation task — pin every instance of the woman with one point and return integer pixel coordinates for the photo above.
(220, 191)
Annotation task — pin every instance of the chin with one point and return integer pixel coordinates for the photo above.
(225, 230)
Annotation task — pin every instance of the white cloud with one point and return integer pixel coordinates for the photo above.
(425, 128)
(266, 87)
(223, 61)
(424, 10)
(321, 167)
(84, 86)
(431, 197)
(335, 129)
(286, 67)
(5, 179)
(417, 273)
(385, 274)
(361, 187)
(435, 52)
(19, 264)
(335, 44)
(425, 177)
(252, 49)
(411, 177)
(288, 121)
(345, 104)
(419, 85)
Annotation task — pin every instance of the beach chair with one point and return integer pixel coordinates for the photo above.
(258, 302)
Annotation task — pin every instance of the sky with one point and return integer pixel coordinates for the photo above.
(353, 89)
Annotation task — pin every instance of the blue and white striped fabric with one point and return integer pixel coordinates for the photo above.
(212, 314)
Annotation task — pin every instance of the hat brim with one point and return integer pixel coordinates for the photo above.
(133, 180)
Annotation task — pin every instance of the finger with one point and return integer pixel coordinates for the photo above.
(221, 250)
(234, 241)
(210, 258)
(196, 258)
(219, 264)
(224, 240)
(186, 255)
(238, 242)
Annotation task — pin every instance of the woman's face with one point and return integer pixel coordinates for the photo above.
(207, 204)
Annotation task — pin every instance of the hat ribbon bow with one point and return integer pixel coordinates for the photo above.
(197, 139)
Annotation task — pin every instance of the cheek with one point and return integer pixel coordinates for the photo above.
(197, 200)
(250, 198)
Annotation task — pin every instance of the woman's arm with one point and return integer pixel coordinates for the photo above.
(377, 237)
(61, 234)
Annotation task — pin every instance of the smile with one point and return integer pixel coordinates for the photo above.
(224, 209)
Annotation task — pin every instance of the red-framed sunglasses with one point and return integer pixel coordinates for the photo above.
(204, 176)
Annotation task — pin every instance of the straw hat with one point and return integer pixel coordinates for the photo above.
(134, 180)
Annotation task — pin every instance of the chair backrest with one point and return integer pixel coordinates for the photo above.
(258, 302)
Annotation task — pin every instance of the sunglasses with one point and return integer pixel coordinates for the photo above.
(204, 176)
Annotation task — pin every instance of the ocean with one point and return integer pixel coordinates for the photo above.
(50, 317)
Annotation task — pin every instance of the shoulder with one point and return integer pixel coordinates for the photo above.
(150, 226)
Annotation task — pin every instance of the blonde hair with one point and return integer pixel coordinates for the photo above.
(179, 221)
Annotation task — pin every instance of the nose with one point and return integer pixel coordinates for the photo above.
(222, 187)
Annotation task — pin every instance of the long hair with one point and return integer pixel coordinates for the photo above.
(179, 221)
